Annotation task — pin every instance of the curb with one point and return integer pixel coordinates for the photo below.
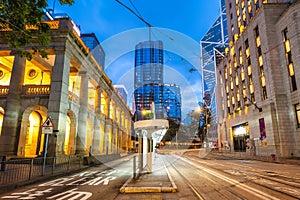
(125, 189)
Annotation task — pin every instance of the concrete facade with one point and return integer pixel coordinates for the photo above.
(257, 83)
(88, 114)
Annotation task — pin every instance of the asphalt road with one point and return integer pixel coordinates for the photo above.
(195, 177)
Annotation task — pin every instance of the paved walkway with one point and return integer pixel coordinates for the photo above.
(246, 156)
(159, 180)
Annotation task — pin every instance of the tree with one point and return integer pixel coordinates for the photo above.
(172, 130)
(16, 16)
(205, 119)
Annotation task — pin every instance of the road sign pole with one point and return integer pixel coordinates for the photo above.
(45, 153)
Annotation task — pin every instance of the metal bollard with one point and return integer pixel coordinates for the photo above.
(134, 167)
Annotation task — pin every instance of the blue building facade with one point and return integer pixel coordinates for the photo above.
(151, 94)
(212, 45)
(91, 41)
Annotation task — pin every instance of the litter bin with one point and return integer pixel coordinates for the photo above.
(3, 163)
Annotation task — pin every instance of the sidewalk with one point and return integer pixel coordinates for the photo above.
(159, 180)
(245, 156)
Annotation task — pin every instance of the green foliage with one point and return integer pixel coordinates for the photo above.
(206, 118)
(16, 15)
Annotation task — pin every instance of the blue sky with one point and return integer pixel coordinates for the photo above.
(106, 17)
(179, 24)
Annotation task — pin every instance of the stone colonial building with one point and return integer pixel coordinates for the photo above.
(258, 84)
(88, 114)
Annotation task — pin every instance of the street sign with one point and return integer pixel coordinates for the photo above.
(48, 123)
(47, 127)
(47, 130)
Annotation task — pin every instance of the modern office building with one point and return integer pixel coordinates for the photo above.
(150, 91)
(172, 102)
(91, 41)
(211, 45)
(122, 91)
(258, 78)
(70, 86)
(149, 61)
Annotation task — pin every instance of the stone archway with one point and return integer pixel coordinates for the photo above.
(89, 136)
(31, 140)
(70, 134)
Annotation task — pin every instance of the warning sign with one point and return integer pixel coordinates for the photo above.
(48, 123)
(47, 127)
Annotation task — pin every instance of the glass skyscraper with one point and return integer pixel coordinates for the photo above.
(149, 60)
(150, 91)
(213, 44)
(91, 41)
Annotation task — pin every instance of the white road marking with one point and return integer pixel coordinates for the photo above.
(29, 194)
(242, 186)
(72, 195)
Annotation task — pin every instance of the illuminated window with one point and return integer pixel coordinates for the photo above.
(291, 69)
(297, 110)
(234, 62)
(241, 56)
(249, 8)
(242, 74)
(247, 52)
(260, 61)
(236, 80)
(244, 91)
(244, 15)
(242, 28)
(249, 70)
(263, 81)
(287, 46)
(251, 88)
(257, 41)
(289, 60)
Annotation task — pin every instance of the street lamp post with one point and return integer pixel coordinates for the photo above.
(207, 125)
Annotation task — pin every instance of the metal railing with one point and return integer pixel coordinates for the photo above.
(22, 170)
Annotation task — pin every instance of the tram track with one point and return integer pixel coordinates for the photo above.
(284, 185)
(188, 182)
(183, 171)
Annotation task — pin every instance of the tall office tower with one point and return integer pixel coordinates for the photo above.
(91, 41)
(150, 92)
(149, 73)
(172, 102)
(258, 86)
(149, 60)
(211, 46)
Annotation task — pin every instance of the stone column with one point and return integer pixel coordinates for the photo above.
(12, 116)
(108, 137)
(83, 113)
(58, 101)
(98, 101)
(96, 136)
